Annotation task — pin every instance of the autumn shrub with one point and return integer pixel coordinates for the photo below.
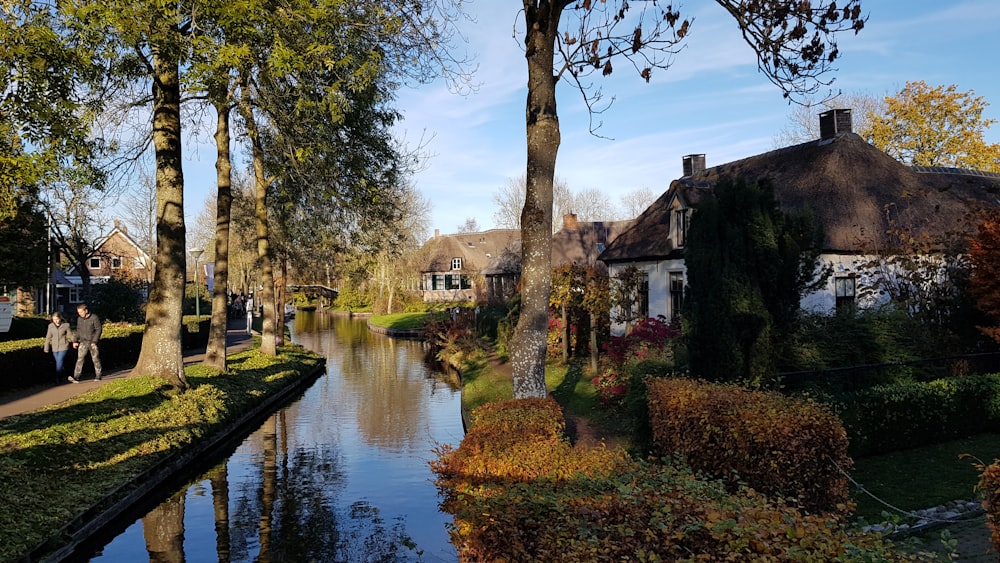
(781, 446)
(905, 415)
(519, 492)
(989, 489)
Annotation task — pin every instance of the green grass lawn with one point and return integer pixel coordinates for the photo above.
(403, 321)
(922, 477)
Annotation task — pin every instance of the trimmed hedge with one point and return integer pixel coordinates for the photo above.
(520, 492)
(25, 364)
(886, 418)
(778, 445)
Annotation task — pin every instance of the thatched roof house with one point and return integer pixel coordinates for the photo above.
(454, 263)
(859, 195)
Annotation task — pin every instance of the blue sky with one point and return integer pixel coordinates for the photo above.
(712, 100)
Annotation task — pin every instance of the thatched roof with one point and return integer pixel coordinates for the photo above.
(855, 191)
(475, 249)
(581, 242)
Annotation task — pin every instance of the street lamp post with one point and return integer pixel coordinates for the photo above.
(196, 252)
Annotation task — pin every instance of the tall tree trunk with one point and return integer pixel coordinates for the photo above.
(594, 326)
(267, 343)
(269, 486)
(279, 304)
(542, 127)
(215, 353)
(161, 353)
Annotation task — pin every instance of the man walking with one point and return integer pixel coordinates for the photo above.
(88, 334)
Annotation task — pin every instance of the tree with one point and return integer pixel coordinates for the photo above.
(24, 246)
(593, 205)
(636, 201)
(803, 118)
(794, 43)
(509, 201)
(748, 266)
(984, 281)
(469, 226)
(937, 126)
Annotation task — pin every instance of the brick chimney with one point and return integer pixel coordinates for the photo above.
(437, 233)
(569, 222)
(693, 164)
(834, 122)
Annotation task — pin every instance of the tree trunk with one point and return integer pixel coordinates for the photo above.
(219, 478)
(593, 341)
(163, 529)
(279, 304)
(267, 343)
(542, 127)
(215, 353)
(161, 353)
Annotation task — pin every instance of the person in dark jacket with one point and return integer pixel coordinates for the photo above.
(88, 334)
(57, 340)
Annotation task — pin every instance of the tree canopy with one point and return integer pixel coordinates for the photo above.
(935, 126)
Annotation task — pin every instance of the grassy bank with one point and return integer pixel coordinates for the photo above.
(60, 462)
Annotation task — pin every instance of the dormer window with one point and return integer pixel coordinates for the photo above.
(456, 263)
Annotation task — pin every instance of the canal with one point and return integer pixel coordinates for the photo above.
(341, 474)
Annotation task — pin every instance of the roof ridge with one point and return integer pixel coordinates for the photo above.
(954, 170)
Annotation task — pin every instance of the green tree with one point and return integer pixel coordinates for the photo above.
(748, 266)
(795, 46)
(935, 126)
(24, 255)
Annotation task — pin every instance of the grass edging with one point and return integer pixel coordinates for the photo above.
(62, 542)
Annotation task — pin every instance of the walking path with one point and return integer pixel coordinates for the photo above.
(26, 400)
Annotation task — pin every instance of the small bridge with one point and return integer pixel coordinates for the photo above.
(325, 292)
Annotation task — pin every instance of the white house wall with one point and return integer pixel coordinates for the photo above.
(658, 273)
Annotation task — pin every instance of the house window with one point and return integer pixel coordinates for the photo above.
(116, 262)
(676, 292)
(681, 217)
(94, 263)
(74, 295)
(438, 281)
(845, 289)
(456, 263)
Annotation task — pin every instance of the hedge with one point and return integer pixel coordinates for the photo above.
(893, 417)
(25, 364)
(778, 445)
(519, 491)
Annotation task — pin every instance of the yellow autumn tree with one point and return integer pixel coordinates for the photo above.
(935, 126)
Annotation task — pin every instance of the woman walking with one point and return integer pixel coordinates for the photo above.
(57, 341)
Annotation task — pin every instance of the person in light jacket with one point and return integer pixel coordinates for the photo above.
(57, 340)
(88, 334)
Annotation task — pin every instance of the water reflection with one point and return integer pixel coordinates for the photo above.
(339, 475)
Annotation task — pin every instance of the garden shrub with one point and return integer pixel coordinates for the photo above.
(905, 415)
(989, 488)
(519, 492)
(778, 445)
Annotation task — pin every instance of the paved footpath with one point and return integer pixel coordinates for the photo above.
(25, 400)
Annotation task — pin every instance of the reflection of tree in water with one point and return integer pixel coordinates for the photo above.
(287, 507)
(163, 529)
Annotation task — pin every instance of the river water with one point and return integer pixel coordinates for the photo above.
(341, 474)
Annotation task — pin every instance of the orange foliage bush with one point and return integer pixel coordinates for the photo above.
(778, 445)
(989, 487)
(520, 492)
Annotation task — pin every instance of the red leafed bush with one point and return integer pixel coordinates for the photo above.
(646, 337)
(780, 446)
